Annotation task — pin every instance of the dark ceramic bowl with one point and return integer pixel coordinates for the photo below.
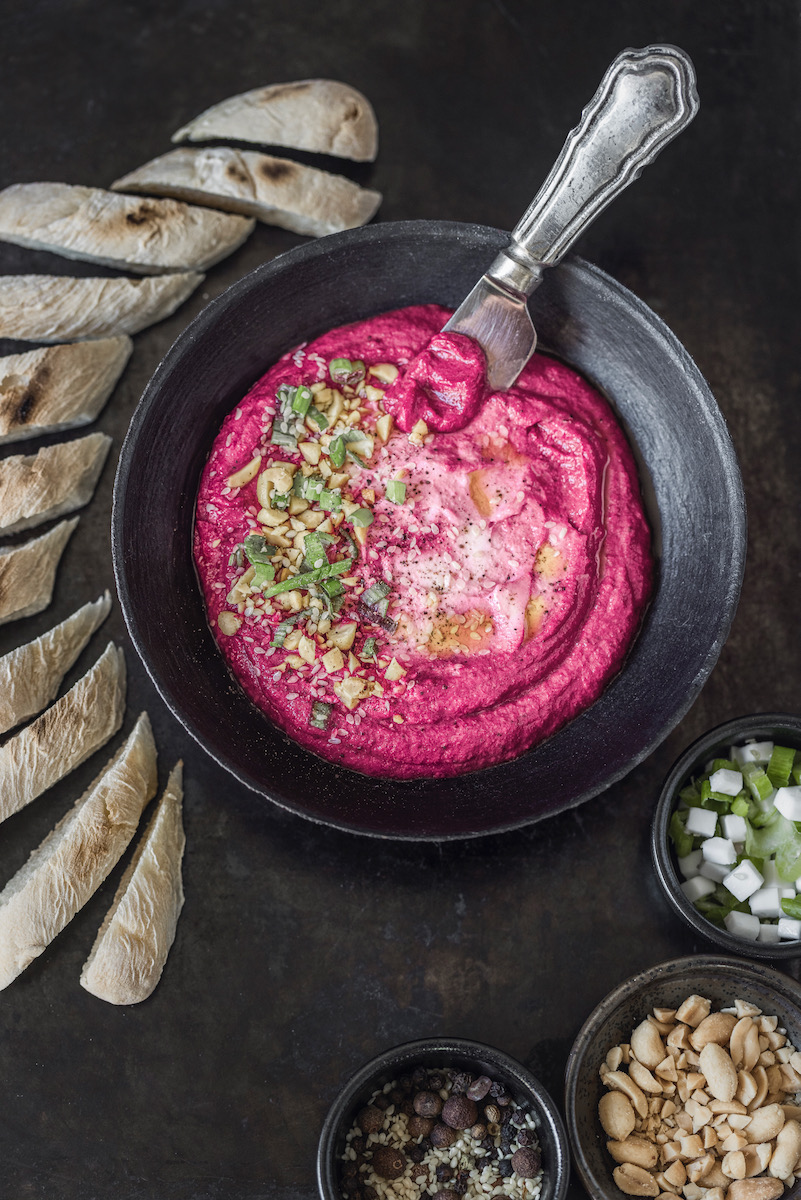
(721, 980)
(783, 728)
(462, 1055)
(689, 474)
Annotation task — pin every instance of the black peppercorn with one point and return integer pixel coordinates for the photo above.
(420, 1126)
(381, 1102)
(460, 1082)
(436, 1081)
(369, 1193)
(444, 1173)
(525, 1137)
(459, 1112)
(357, 1145)
(427, 1104)
(388, 1162)
(405, 1084)
(505, 1168)
(419, 1078)
(526, 1162)
(417, 1153)
(396, 1096)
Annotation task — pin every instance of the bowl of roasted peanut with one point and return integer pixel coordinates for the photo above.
(686, 1080)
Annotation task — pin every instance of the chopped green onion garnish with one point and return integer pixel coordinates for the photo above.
(343, 371)
(375, 593)
(280, 631)
(682, 840)
(780, 766)
(369, 648)
(336, 451)
(262, 573)
(279, 500)
(284, 397)
(287, 440)
(332, 587)
(320, 714)
(330, 500)
(314, 555)
(257, 549)
(312, 486)
(740, 806)
(307, 577)
(359, 461)
(361, 517)
(756, 781)
(320, 419)
(301, 400)
(396, 491)
(236, 558)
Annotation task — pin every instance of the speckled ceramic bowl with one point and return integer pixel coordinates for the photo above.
(434, 1053)
(719, 979)
(783, 728)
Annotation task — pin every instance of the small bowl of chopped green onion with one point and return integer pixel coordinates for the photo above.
(726, 838)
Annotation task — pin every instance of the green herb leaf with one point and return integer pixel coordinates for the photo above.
(257, 549)
(361, 517)
(320, 714)
(308, 577)
(791, 907)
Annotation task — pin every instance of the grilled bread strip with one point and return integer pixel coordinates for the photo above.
(274, 190)
(146, 236)
(75, 858)
(134, 940)
(321, 115)
(39, 487)
(57, 308)
(28, 572)
(31, 675)
(65, 735)
(58, 387)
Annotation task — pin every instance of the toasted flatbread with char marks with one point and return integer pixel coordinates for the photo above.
(321, 115)
(58, 308)
(35, 488)
(146, 236)
(28, 572)
(65, 735)
(76, 856)
(273, 190)
(58, 387)
(131, 948)
(31, 674)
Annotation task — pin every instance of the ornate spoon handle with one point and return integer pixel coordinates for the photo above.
(645, 99)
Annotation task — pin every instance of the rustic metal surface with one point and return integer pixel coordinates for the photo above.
(301, 952)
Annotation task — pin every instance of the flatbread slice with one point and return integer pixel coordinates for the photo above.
(276, 191)
(146, 236)
(65, 735)
(133, 942)
(28, 572)
(31, 675)
(58, 479)
(58, 387)
(58, 308)
(320, 115)
(75, 858)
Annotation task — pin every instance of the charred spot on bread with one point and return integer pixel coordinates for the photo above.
(276, 169)
(234, 171)
(142, 215)
(19, 400)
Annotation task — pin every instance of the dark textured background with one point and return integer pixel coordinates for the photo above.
(300, 951)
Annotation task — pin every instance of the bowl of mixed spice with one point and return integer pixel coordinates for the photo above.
(443, 1118)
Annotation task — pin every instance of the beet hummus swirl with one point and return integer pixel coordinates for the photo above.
(414, 603)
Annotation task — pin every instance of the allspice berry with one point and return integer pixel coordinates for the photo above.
(442, 1136)
(427, 1104)
(388, 1162)
(420, 1126)
(526, 1162)
(459, 1112)
(370, 1119)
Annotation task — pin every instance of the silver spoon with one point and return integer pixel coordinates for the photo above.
(645, 99)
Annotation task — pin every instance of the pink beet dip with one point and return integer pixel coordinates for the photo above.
(488, 554)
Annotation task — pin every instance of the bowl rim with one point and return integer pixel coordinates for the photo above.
(785, 987)
(662, 853)
(585, 722)
(396, 1057)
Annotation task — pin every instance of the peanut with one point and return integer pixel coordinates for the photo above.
(616, 1115)
(635, 1181)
